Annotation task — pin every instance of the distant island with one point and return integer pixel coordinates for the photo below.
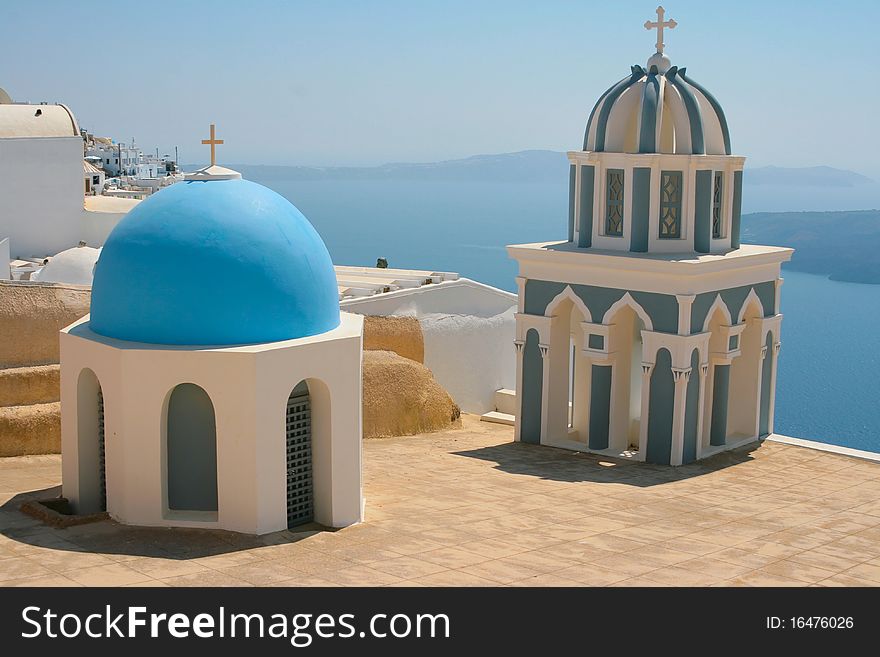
(840, 245)
(523, 166)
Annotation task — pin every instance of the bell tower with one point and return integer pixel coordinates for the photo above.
(652, 332)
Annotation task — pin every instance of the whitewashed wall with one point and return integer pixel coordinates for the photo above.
(41, 194)
(469, 330)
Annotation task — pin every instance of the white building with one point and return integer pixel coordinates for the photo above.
(117, 159)
(41, 178)
(94, 178)
(205, 390)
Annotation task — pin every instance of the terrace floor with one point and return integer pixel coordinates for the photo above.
(468, 507)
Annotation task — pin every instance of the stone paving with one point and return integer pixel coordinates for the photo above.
(467, 507)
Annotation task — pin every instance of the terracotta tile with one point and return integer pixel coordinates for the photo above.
(21, 568)
(592, 575)
(162, 568)
(497, 513)
(500, 571)
(453, 557)
(798, 571)
(865, 571)
(682, 576)
(454, 578)
(114, 574)
(660, 555)
(842, 579)
(259, 573)
(361, 576)
(832, 562)
(407, 567)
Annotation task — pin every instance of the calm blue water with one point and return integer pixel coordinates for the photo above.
(827, 382)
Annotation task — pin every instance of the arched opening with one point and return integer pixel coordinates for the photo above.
(766, 386)
(191, 450)
(625, 341)
(745, 378)
(298, 448)
(531, 390)
(718, 378)
(660, 410)
(568, 394)
(692, 411)
(90, 444)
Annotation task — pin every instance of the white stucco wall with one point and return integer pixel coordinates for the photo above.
(468, 329)
(41, 194)
(471, 356)
(248, 387)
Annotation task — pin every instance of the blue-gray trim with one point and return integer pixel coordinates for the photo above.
(600, 406)
(692, 411)
(722, 119)
(720, 391)
(641, 209)
(595, 109)
(648, 126)
(585, 216)
(191, 450)
(703, 212)
(766, 389)
(736, 215)
(612, 97)
(661, 406)
(572, 178)
(532, 384)
(596, 341)
(733, 298)
(661, 308)
(695, 117)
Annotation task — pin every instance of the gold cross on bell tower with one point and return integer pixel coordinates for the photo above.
(213, 142)
(659, 24)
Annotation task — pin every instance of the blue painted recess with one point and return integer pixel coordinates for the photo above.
(217, 262)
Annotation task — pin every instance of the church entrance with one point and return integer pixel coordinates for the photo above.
(300, 487)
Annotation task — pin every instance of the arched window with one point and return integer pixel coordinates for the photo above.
(300, 484)
(192, 450)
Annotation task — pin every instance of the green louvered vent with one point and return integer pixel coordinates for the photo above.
(300, 500)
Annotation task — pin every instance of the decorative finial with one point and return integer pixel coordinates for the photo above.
(213, 142)
(659, 24)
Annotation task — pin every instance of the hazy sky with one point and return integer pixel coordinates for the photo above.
(335, 82)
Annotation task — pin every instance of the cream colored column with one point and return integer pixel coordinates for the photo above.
(647, 368)
(519, 347)
(681, 376)
(771, 411)
(545, 392)
(701, 412)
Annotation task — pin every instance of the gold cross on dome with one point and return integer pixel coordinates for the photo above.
(659, 24)
(213, 142)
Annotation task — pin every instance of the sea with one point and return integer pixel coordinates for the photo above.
(827, 384)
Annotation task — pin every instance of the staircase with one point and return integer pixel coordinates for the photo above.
(30, 410)
(505, 408)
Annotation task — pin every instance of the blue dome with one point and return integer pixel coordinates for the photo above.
(218, 262)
